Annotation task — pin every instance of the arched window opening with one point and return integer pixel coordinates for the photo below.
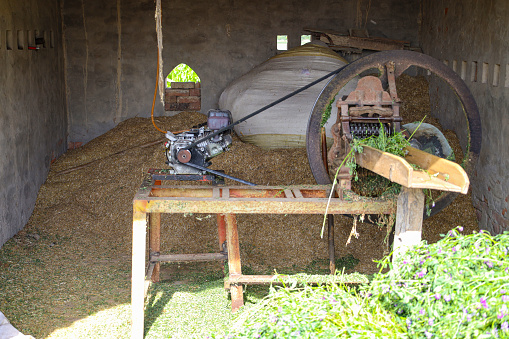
(182, 73)
(183, 90)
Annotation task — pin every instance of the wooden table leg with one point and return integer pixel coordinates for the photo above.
(330, 235)
(155, 241)
(232, 241)
(138, 271)
(409, 218)
(221, 230)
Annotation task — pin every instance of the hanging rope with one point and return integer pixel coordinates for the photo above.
(159, 31)
(159, 71)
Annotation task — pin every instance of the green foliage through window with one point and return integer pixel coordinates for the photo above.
(182, 73)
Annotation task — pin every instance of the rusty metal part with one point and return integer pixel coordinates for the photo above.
(184, 156)
(363, 113)
(166, 174)
(402, 60)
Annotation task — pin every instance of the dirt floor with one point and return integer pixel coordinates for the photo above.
(73, 257)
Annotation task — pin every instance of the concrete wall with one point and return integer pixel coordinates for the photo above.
(472, 37)
(111, 47)
(32, 106)
(98, 67)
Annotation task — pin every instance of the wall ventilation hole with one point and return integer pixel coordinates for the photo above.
(305, 38)
(31, 39)
(506, 84)
(484, 76)
(473, 71)
(8, 40)
(38, 37)
(282, 42)
(45, 36)
(496, 74)
(463, 70)
(454, 65)
(21, 39)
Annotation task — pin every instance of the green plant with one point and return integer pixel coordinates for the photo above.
(455, 288)
(182, 73)
(385, 142)
(327, 112)
(325, 311)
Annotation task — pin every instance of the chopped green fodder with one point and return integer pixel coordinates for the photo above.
(455, 288)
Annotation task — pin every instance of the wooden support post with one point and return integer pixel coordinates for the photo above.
(221, 230)
(138, 271)
(232, 242)
(332, 259)
(155, 241)
(408, 220)
(330, 217)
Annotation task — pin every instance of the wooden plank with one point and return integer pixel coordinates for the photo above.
(234, 266)
(257, 193)
(221, 230)
(138, 270)
(250, 280)
(181, 192)
(448, 171)
(298, 193)
(188, 257)
(270, 206)
(409, 218)
(148, 278)
(331, 245)
(374, 44)
(155, 241)
(274, 279)
(289, 194)
(340, 41)
(437, 173)
(385, 164)
(424, 180)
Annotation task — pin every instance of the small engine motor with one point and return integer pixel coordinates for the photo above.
(196, 159)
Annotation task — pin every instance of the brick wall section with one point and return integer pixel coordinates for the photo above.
(497, 222)
(183, 96)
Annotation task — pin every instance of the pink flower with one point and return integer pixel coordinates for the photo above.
(483, 302)
(503, 312)
(505, 326)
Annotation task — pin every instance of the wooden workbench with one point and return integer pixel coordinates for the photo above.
(152, 199)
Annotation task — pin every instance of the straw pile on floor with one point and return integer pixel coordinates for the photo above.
(77, 243)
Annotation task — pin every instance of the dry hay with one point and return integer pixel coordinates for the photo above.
(80, 230)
